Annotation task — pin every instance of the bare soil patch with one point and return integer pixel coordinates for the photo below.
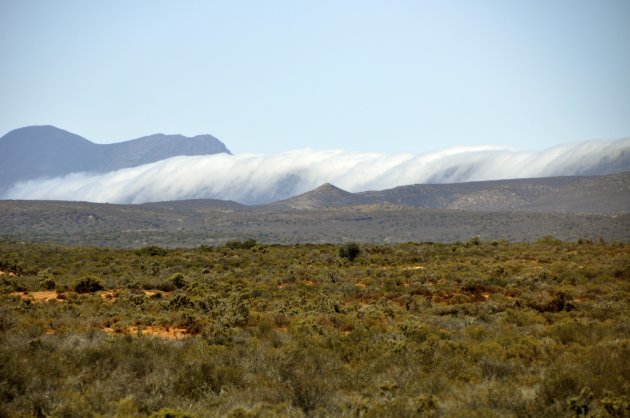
(162, 332)
(46, 295)
(38, 296)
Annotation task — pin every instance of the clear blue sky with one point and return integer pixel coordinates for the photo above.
(267, 76)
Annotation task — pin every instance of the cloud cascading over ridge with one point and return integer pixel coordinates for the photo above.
(252, 179)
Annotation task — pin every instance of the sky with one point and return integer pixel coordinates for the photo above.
(278, 75)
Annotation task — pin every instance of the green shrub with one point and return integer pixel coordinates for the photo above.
(616, 406)
(581, 404)
(151, 250)
(88, 285)
(349, 251)
(205, 248)
(241, 245)
(171, 413)
(178, 280)
(180, 301)
(473, 241)
(48, 284)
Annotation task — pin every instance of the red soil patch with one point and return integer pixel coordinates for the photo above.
(108, 294)
(150, 293)
(113, 294)
(46, 295)
(161, 332)
(436, 298)
(39, 296)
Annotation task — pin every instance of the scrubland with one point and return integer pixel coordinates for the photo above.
(242, 330)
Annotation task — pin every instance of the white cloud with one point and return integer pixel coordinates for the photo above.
(252, 178)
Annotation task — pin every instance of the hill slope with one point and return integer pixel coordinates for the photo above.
(597, 194)
(45, 151)
(608, 194)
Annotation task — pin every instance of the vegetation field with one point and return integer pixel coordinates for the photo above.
(463, 329)
(201, 222)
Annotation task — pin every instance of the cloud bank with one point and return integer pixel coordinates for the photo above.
(254, 179)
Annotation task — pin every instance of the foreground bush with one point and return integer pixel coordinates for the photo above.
(428, 330)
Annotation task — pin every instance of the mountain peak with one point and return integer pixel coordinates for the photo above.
(328, 188)
(46, 133)
(326, 195)
(41, 128)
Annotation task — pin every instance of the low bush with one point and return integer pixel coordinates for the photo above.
(178, 280)
(87, 285)
(349, 251)
(241, 245)
(47, 284)
(152, 250)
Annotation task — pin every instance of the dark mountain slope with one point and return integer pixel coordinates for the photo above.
(42, 151)
(155, 148)
(45, 151)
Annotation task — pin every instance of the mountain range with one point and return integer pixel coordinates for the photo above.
(46, 151)
(568, 207)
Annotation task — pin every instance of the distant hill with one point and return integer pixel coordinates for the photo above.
(596, 194)
(325, 196)
(45, 151)
(568, 208)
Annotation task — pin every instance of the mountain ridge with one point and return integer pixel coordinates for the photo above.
(47, 151)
